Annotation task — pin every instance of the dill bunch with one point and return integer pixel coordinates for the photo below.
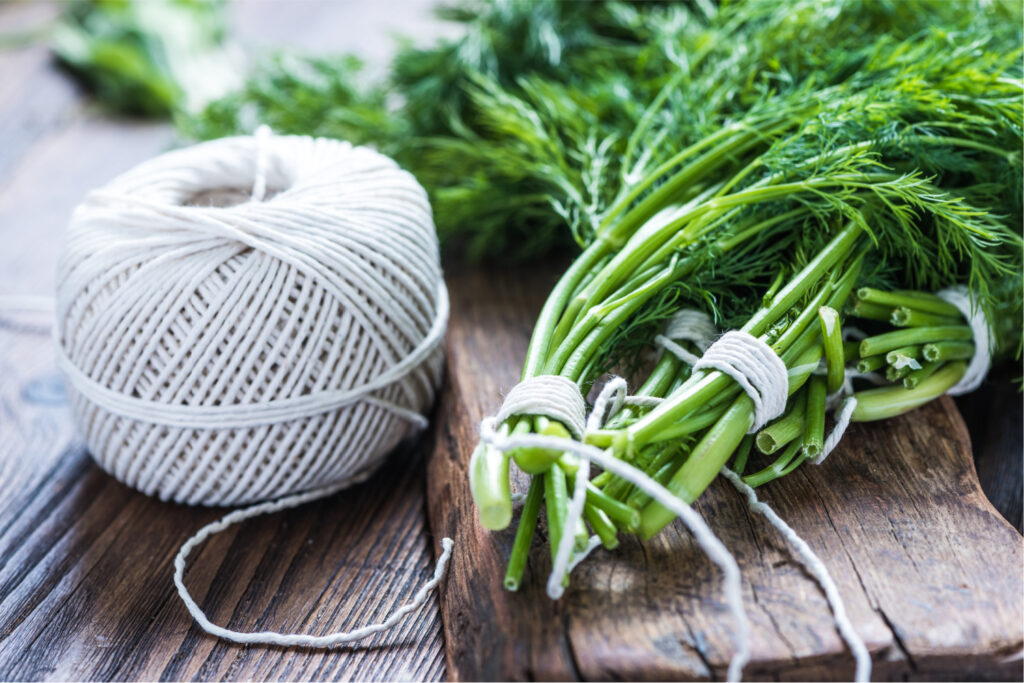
(885, 172)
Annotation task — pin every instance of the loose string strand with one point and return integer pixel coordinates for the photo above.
(293, 639)
(817, 569)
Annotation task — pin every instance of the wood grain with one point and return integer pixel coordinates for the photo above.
(931, 574)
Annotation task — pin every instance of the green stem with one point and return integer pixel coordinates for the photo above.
(870, 364)
(524, 533)
(556, 498)
(547, 321)
(786, 428)
(780, 467)
(814, 424)
(948, 350)
(602, 526)
(743, 454)
(618, 511)
(703, 465)
(880, 404)
(866, 310)
(883, 343)
(915, 377)
(893, 300)
(913, 351)
(832, 337)
(489, 485)
(903, 316)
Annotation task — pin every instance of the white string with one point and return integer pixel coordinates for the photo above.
(756, 368)
(842, 418)
(643, 401)
(676, 350)
(593, 543)
(981, 361)
(817, 569)
(691, 325)
(259, 183)
(292, 639)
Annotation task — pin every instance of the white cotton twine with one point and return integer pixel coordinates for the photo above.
(981, 361)
(252, 319)
(690, 325)
(756, 368)
(552, 396)
(221, 355)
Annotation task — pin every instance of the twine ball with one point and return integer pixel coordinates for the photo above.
(251, 317)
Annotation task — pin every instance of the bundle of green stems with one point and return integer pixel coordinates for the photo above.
(803, 213)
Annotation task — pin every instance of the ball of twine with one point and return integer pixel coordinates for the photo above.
(251, 317)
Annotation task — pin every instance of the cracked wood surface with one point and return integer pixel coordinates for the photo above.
(930, 572)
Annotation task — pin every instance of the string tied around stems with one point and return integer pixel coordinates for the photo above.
(981, 332)
(814, 565)
(690, 325)
(552, 396)
(755, 367)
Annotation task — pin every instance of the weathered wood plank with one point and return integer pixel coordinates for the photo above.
(995, 419)
(930, 573)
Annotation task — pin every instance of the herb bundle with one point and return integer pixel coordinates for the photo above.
(897, 168)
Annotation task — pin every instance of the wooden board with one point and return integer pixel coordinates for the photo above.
(931, 574)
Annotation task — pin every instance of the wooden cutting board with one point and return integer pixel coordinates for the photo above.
(931, 574)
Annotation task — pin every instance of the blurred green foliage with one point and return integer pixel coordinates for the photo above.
(138, 56)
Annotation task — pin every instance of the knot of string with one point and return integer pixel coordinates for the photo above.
(690, 325)
(981, 361)
(755, 367)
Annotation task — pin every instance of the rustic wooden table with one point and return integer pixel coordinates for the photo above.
(85, 563)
